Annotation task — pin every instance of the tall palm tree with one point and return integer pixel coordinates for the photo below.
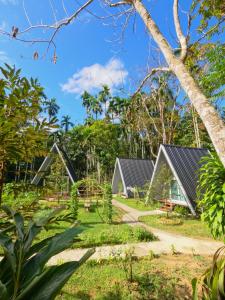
(104, 96)
(66, 123)
(96, 107)
(51, 107)
(86, 102)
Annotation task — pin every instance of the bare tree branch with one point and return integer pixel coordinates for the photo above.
(26, 14)
(182, 39)
(153, 71)
(118, 3)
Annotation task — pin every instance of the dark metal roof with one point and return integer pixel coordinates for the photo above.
(186, 163)
(49, 160)
(136, 172)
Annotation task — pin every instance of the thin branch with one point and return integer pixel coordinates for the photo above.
(64, 8)
(53, 10)
(182, 39)
(153, 71)
(60, 23)
(118, 3)
(26, 14)
(210, 31)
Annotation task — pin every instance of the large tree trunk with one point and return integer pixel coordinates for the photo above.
(206, 111)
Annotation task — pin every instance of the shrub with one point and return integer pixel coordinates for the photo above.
(108, 209)
(213, 280)
(17, 197)
(211, 194)
(23, 271)
(182, 210)
(141, 234)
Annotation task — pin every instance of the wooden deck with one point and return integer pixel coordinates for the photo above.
(167, 205)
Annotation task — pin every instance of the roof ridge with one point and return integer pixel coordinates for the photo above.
(186, 147)
(135, 158)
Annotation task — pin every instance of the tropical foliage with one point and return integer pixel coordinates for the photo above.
(23, 268)
(213, 280)
(211, 192)
(23, 135)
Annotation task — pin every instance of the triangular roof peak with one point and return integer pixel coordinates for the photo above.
(184, 163)
(133, 173)
(49, 160)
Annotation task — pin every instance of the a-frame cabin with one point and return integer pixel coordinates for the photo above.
(177, 170)
(131, 173)
(49, 159)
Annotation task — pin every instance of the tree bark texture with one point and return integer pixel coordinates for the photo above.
(211, 119)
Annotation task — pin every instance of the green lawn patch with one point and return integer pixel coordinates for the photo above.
(96, 232)
(180, 225)
(163, 278)
(138, 204)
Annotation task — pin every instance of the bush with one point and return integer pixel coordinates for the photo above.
(15, 197)
(213, 280)
(211, 194)
(108, 209)
(143, 235)
(182, 210)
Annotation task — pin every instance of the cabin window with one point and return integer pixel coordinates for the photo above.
(176, 193)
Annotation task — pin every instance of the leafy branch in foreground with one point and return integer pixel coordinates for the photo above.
(211, 193)
(23, 270)
(213, 280)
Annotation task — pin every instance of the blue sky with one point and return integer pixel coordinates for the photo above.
(87, 47)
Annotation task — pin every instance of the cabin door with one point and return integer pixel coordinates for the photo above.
(176, 193)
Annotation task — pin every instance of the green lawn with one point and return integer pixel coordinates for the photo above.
(96, 232)
(137, 203)
(185, 226)
(163, 278)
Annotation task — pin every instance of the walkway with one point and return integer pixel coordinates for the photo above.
(168, 242)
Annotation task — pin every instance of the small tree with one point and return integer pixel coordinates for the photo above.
(108, 202)
(74, 205)
(22, 135)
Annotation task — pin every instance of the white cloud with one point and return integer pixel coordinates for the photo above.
(93, 77)
(4, 58)
(3, 25)
(8, 2)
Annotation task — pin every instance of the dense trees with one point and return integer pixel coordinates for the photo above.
(212, 20)
(94, 148)
(23, 134)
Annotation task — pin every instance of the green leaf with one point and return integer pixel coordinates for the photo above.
(49, 283)
(194, 289)
(223, 188)
(3, 292)
(58, 243)
(8, 247)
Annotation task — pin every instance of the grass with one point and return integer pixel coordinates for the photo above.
(186, 226)
(166, 277)
(96, 232)
(138, 204)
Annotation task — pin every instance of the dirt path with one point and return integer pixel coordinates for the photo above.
(167, 243)
(168, 240)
